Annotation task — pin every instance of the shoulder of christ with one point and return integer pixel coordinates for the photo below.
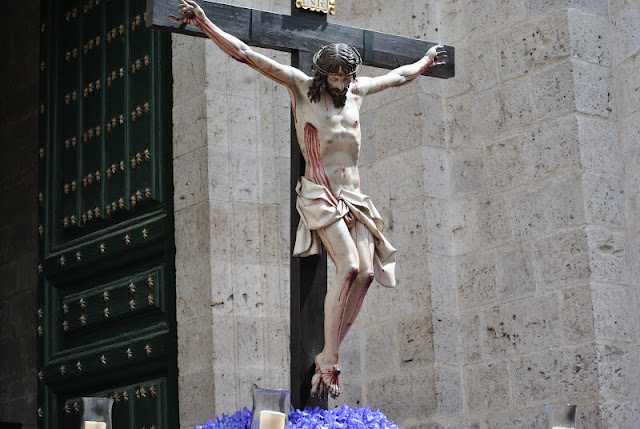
(288, 33)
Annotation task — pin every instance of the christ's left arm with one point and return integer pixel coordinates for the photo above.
(402, 75)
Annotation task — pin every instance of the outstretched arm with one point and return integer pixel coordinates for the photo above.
(403, 75)
(193, 14)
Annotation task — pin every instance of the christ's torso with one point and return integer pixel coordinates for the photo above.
(330, 139)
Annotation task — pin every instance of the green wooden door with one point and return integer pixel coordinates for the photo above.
(106, 317)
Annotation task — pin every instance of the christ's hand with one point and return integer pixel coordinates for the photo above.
(436, 55)
(188, 10)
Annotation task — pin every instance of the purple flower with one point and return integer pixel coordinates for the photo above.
(343, 417)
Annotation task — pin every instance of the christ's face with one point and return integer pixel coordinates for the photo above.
(338, 84)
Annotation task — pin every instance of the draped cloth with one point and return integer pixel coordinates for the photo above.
(319, 208)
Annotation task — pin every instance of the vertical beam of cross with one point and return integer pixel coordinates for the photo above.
(308, 279)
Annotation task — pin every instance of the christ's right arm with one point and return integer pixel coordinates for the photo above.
(286, 75)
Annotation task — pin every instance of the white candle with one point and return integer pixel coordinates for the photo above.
(271, 420)
(95, 425)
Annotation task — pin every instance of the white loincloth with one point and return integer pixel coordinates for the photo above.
(318, 209)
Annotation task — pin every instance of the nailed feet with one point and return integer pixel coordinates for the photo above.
(325, 380)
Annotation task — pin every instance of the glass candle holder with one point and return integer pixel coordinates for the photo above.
(270, 409)
(561, 416)
(96, 413)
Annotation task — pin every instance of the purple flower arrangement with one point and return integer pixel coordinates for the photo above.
(343, 417)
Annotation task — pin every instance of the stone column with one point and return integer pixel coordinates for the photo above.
(231, 196)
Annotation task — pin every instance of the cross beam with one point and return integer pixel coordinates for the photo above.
(302, 33)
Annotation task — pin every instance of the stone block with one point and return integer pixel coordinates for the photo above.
(451, 26)
(476, 278)
(449, 391)
(248, 290)
(442, 281)
(597, 153)
(562, 260)
(190, 125)
(589, 37)
(617, 414)
(245, 174)
(536, 42)
(250, 343)
(522, 326)
(216, 123)
(618, 369)
(246, 232)
(436, 172)
(242, 117)
(482, 60)
(556, 204)
(615, 313)
(402, 175)
(588, 416)
(409, 232)
(270, 237)
(627, 83)
(438, 225)
(224, 343)
(486, 387)
(625, 32)
(425, 19)
(516, 272)
(195, 346)
(457, 118)
(501, 110)
(556, 375)
(415, 344)
(197, 396)
(576, 314)
(220, 226)
(406, 132)
(554, 91)
(276, 291)
(218, 67)
(219, 187)
(605, 200)
(594, 90)
(246, 381)
(609, 256)
(277, 346)
(556, 147)
(447, 342)
(540, 7)
(369, 145)
(390, 392)
(190, 177)
(486, 16)
(188, 67)
(192, 299)
(380, 337)
(467, 171)
(431, 111)
(479, 222)
(509, 163)
(524, 420)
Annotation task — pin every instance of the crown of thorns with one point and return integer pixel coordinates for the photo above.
(325, 72)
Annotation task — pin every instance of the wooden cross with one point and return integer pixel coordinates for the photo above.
(302, 33)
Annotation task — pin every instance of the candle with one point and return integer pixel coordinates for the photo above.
(271, 420)
(95, 425)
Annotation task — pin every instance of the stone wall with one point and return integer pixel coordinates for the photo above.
(511, 193)
(19, 41)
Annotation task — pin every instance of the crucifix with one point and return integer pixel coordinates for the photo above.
(325, 144)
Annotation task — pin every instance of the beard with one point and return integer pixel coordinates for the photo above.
(339, 97)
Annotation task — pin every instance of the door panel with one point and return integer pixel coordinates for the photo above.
(106, 316)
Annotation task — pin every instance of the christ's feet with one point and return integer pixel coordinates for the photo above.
(325, 379)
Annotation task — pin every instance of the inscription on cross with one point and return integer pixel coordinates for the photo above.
(325, 136)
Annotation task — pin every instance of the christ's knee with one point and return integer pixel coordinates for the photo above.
(364, 278)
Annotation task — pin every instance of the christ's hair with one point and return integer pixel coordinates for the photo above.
(338, 58)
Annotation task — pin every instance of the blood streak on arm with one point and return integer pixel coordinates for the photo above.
(238, 55)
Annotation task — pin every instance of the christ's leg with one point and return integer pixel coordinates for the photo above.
(364, 243)
(343, 252)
